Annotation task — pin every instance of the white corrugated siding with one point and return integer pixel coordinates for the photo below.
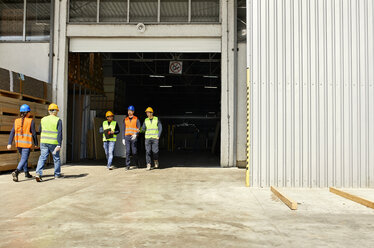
(312, 73)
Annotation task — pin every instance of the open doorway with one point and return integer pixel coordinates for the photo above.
(184, 89)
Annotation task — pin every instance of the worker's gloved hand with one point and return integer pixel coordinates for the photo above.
(133, 137)
(9, 147)
(57, 149)
(158, 138)
(123, 142)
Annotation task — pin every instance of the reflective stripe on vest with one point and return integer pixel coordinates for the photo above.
(49, 130)
(22, 134)
(151, 128)
(112, 126)
(131, 127)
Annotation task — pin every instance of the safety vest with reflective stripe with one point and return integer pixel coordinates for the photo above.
(22, 134)
(131, 127)
(49, 130)
(112, 126)
(151, 131)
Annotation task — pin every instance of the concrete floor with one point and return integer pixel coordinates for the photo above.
(173, 207)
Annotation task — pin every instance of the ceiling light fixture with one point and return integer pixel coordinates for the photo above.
(166, 86)
(156, 76)
(210, 87)
(210, 76)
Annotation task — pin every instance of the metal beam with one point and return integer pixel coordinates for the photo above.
(151, 60)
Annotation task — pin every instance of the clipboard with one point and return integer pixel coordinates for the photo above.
(107, 134)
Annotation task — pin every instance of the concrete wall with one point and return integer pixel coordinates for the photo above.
(241, 121)
(30, 59)
(60, 67)
(229, 85)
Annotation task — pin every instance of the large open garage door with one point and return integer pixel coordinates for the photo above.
(184, 89)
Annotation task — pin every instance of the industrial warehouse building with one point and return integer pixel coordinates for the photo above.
(311, 97)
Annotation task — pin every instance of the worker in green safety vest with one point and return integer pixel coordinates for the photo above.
(50, 142)
(152, 128)
(110, 130)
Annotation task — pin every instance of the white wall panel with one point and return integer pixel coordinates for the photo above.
(312, 111)
(30, 59)
(195, 45)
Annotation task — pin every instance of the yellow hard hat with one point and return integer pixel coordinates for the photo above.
(149, 109)
(109, 113)
(53, 106)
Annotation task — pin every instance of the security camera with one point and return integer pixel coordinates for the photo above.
(140, 27)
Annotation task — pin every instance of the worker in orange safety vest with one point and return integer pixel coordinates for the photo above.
(130, 136)
(24, 134)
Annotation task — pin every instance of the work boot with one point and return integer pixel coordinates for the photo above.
(148, 166)
(110, 168)
(59, 176)
(156, 164)
(38, 178)
(27, 174)
(15, 175)
(127, 168)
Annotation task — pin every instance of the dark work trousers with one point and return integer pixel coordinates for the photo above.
(130, 146)
(151, 146)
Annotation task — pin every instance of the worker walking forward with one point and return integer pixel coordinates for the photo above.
(24, 134)
(109, 129)
(130, 136)
(152, 128)
(50, 142)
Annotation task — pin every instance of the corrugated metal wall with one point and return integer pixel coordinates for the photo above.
(312, 111)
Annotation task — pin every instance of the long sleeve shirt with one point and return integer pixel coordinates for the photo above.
(32, 130)
(116, 130)
(59, 132)
(124, 126)
(159, 126)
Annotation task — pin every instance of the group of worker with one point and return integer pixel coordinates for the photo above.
(151, 127)
(24, 135)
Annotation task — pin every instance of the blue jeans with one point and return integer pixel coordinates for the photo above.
(130, 146)
(45, 149)
(109, 149)
(151, 146)
(22, 165)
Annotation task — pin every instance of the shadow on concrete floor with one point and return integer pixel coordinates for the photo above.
(166, 159)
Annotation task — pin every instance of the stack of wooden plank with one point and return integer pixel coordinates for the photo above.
(10, 103)
(86, 69)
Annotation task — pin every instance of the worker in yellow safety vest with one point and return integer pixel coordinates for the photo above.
(24, 134)
(152, 128)
(50, 142)
(110, 130)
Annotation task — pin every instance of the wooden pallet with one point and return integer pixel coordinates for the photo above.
(10, 106)
(9, 161)
(10, 103)
(24, 97)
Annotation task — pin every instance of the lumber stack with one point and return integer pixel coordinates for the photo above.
(10, 103)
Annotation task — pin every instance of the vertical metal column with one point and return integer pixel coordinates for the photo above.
(189, 10)
(80, 131)
(98, 11)
(247, 171)
(72, 126)
(128, 11)
(159, 11)
(24, 21)
(51, 40)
